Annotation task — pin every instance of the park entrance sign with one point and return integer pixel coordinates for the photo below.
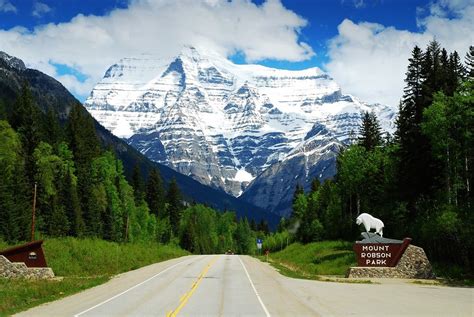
(380, 257)
(387, 252)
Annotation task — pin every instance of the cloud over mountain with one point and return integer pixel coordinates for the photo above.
(370, 59)
(89, 44)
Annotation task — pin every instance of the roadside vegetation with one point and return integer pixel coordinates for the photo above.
(418, 181)
(324, 260)
(96, 220)
(317, 258)
(80, 264)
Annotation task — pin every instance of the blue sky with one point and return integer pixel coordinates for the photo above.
(323, 18)
(51, 35)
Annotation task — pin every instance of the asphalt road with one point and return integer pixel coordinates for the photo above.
(231, 285)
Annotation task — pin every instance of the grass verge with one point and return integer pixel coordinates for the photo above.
(83, 263)
(322, 261)
(18, 295)
(330, 260)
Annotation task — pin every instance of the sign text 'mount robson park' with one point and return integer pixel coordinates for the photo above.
(374, 254)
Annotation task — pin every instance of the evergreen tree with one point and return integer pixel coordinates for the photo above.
(14, 203)
(82, 136)
(26, 120)
(138, 184)
(175, 204)
(370, 132)
(53, 132)
(298, 191)
(412, 97)
(72, 205)
(155, 194)
(85, 147)
(433, 80)
(68, 191)
(416, 165)
(445, 69)
(469, 70)
(455, 74)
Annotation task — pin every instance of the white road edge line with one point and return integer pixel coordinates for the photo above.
(254, 289)
(131, 288)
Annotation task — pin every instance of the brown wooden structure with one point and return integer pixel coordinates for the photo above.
(30, 253)
(380, 254)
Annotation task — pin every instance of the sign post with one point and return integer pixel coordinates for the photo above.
(259, 245)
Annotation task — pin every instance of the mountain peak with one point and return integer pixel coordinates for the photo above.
(189, 52)
(12, 61)
(209, 118)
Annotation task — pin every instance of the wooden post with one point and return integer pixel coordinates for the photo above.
(33, 215)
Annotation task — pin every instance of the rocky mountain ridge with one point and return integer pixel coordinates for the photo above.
(49, 94)
(243, 129)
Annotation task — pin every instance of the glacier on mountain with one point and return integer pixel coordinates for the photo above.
(249, 130)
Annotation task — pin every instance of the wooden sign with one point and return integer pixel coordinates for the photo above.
(380, 254)
(30, 253)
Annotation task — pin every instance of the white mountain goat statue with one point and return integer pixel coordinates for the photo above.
(370, 222)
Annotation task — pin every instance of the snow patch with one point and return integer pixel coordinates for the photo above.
(123, 129)
(243, 176)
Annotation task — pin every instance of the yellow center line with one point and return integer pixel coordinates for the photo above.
(186, 296)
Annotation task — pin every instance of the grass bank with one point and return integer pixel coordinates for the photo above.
(83, 263)
(330, 260)
(313, 260)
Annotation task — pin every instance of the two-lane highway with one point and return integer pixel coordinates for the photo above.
(216, 285)
(190, 287)
(231, 285)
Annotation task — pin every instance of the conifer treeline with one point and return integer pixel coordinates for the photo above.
(82, 190)
(419, 182)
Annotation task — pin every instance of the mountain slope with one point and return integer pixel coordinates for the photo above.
(50, 93)
(230, 126)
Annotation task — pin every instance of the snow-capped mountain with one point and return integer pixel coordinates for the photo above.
(12, 61)
(230, 125)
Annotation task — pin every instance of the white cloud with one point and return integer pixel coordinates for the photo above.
(369, 60)
(7, 6)
(90, 44)
(40, 9)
